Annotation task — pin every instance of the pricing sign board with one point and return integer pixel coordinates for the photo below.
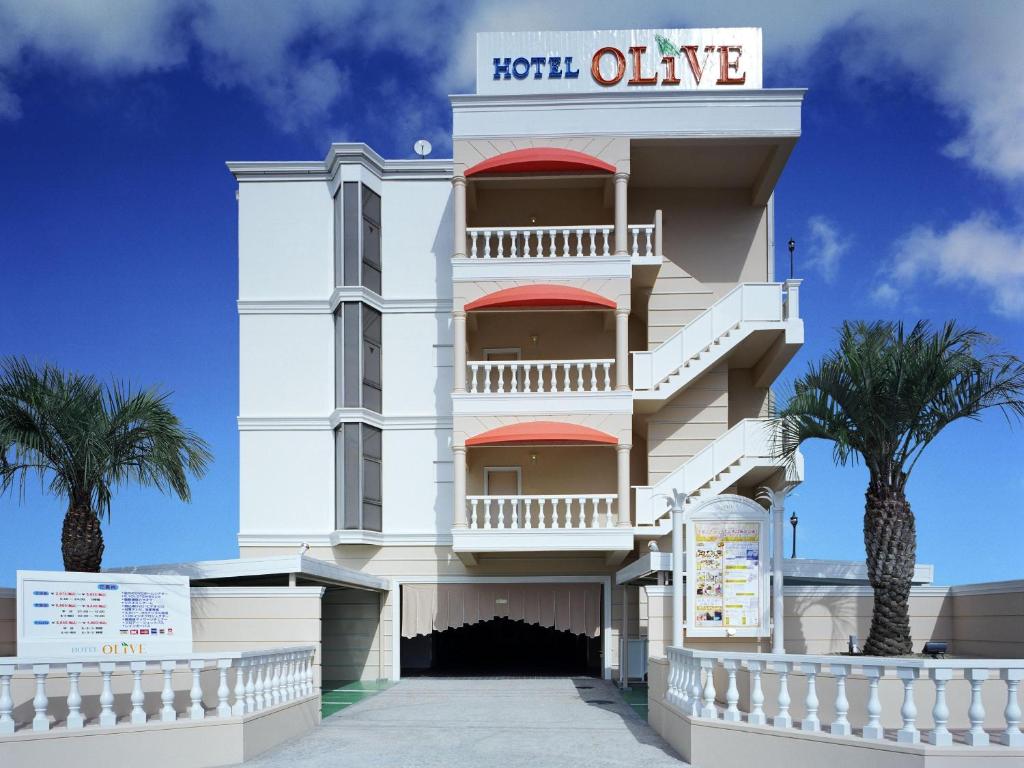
(727, 569)
(115, 615)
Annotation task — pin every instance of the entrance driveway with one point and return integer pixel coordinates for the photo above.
(481, 722)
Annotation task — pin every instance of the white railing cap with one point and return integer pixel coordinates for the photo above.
(855, 661)
(24, 663)
(598, 361)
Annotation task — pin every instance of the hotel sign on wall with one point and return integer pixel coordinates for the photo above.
(623, 59)
(102, 615)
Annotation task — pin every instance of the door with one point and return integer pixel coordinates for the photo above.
(501, 381)
(504, 482)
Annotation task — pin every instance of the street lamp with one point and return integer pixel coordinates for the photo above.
(793, 521)
(792, 247)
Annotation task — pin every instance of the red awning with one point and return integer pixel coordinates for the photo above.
(542, 433)
(525, 296)
(541, 160)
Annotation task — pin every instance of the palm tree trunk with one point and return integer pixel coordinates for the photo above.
(890, 540)
(81, 540)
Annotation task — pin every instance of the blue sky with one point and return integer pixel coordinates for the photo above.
(118, 219)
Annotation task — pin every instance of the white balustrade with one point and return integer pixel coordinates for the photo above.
(526, 377)
(565, 511)
(691, 689)
(261, 680)
(746, 308)
(552, 242)
(641, 240)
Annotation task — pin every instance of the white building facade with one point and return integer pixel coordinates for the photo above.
(481, 377)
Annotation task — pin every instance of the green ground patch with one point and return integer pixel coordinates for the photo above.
(337, 694)
(636, 697)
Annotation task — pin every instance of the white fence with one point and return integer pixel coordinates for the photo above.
(558, 242)
(691, 689)
(561, 511)
(539, 376)
(247, 682)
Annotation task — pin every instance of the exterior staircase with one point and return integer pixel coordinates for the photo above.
(743, 452)
(749, 308)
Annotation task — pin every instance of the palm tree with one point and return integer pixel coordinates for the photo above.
(882, 397)
(86, 439)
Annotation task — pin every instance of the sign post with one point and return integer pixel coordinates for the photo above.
(114, 615)
(727, 574)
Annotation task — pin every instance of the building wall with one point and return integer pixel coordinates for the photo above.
(557, 470)
(612, 149)
(353, 636)
(687, 423)
(988, 619)
(287, 352)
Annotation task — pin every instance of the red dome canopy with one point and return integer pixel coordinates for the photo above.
(541, 160)
(542, 432)
(543, 295)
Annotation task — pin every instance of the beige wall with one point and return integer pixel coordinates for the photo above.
(557, 470)
(745, 400)
(547, 205)
(988, 620)
(713, 239)
(183, 744)
(561, 335)
(687, 423)
(353, 636)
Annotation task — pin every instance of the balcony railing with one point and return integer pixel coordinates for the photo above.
(572, 511)
(245, 682)
(561, 242)
(539, 376)
(691, 689)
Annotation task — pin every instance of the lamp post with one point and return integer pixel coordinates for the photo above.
(792, 247)
(793, 521)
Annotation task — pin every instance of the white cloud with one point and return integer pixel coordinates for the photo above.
(826, 248)
(292, 56)
(886, 294)
(977, 255)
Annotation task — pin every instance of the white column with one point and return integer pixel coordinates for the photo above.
(459, 215)
(624, 644)
(621, 349)
(621, 214)
(459, 483)
(659, 238)
(459, 349)
(677, 573)
(622, 463)
(778, 598)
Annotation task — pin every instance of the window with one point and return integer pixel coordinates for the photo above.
(358, 338)
(358, 249)
(359, 491)
(371, 240)
(372, 378)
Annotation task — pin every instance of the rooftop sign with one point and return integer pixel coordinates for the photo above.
(621, 59)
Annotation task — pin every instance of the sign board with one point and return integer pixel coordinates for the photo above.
(727, 569)
(656, 60)
(102, 615)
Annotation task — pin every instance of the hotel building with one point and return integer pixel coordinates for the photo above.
(480, 378)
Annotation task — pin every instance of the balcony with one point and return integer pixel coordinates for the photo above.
(544, 349)
(511, 494)
(563, 251)
(561, 242)
(511, 377)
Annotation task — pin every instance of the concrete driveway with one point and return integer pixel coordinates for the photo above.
(506, 723)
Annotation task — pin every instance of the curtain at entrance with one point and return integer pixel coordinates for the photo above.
(428, 608)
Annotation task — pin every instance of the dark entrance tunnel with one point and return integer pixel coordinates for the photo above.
(501, 647)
